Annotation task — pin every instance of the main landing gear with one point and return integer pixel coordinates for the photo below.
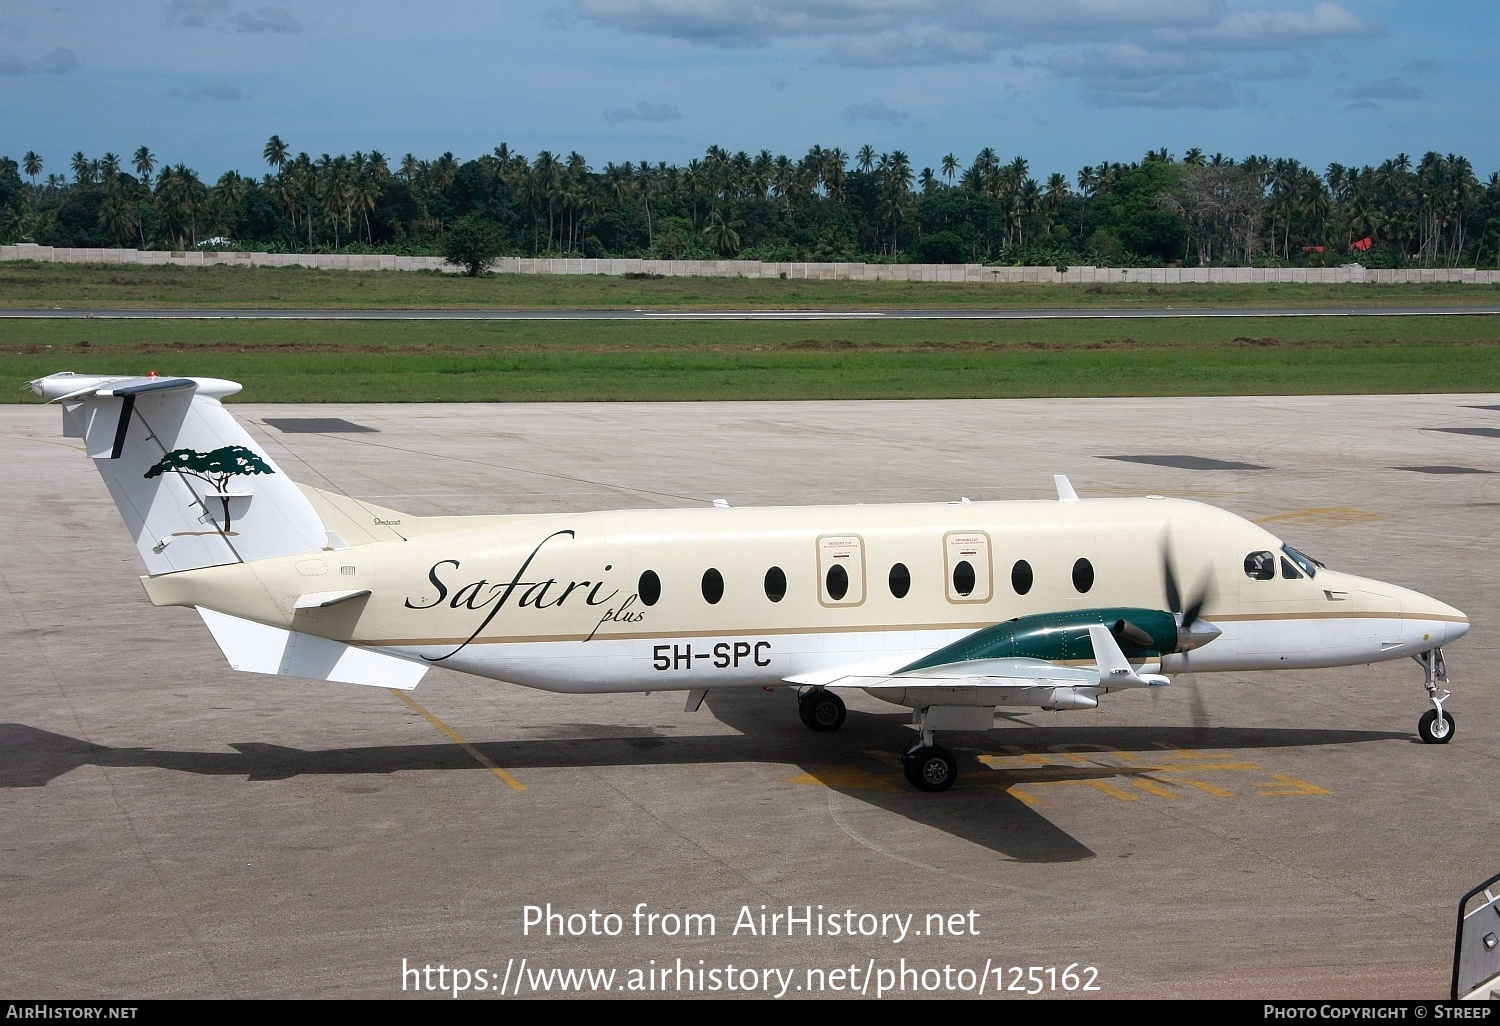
(1436, 726)
(927, 766)
(821, 710)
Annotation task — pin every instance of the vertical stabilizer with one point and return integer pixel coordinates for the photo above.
(193, 487)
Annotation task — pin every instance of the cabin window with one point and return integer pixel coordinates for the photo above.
(649, 587)
(775, 584)
(1021, 577)
(1083, 576)
(900, 580)
(837, 581)
(1260, 566)
(963, 578)
(841, 570)
(968, 567)
(713, 586)
(1288, 571)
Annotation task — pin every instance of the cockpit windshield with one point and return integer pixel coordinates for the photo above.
(1309, 565)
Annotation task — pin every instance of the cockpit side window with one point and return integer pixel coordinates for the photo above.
(1309, 565)
(1260, 566)
(1288, 571)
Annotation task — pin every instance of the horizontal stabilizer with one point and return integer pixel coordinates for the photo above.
(257, 648)
(324, 599)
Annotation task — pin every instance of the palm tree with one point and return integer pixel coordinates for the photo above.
(115, 214)
(645, 179)
(950, 167)
(276, 152)
(227, 195)
(1057, 191)
(865, 158)
(83, 169)
(144, 163)
(32, 164)
(721, 234)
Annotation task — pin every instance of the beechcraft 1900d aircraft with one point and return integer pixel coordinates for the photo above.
(949, 609)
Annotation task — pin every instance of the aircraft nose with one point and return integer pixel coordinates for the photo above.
(1453, 623)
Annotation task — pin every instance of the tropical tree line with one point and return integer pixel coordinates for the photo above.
(826, 205)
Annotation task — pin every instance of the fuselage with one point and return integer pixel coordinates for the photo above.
(646, 600)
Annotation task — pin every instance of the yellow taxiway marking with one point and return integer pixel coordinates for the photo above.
(845, 777)
(1162, 773)
(454, 736)
(1323, 516)
(1281, 784)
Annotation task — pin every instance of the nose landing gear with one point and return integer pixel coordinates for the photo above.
(1436, 725)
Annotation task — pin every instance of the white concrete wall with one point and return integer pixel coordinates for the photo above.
(758, 269)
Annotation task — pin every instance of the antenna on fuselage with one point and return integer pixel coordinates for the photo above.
(1065, 492)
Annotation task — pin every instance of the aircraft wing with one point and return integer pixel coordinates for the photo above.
(1111, 670)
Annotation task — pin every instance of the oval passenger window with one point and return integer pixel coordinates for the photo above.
(963, 578)
(775, 584)
(837, 581)
(1083, 575)
(649, 587)
(900, 580)
(1020, 577)
(713, 586)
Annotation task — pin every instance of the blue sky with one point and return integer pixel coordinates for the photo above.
(1061, 82)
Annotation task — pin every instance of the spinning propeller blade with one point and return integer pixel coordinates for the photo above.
(1191, 632)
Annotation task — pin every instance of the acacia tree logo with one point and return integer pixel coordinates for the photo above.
(213, 468)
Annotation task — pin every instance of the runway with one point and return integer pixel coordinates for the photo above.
(172, 828)
(172, 313)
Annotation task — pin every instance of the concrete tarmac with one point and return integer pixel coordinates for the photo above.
(948, 314)
(171, 828)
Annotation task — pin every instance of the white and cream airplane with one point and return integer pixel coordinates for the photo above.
(948, 609)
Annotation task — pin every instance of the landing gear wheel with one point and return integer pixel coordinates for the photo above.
(821, 710)
(1434, 731)
(930, 768)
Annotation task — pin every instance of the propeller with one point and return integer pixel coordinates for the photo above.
(1192, 632)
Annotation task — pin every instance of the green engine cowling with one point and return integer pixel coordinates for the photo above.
(1061, 637)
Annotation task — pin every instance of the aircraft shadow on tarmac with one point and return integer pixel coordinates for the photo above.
(858, 761)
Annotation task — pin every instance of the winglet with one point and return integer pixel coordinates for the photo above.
(1115, 670)
(1065, 492)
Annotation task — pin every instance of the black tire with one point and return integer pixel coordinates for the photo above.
(930, 768)
(822, 710)
(1429, 730)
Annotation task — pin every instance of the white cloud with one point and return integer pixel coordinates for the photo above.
(1275, 30)
(1105, 44)
(214, 90)
(1387, 89)
(194, 13)
(55, 62)
(1129, 60)
(875, 110)
(268, 19)
(741, 23)
(1298, 67)
(1164, 92)
(651, 112)
(903, 50)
